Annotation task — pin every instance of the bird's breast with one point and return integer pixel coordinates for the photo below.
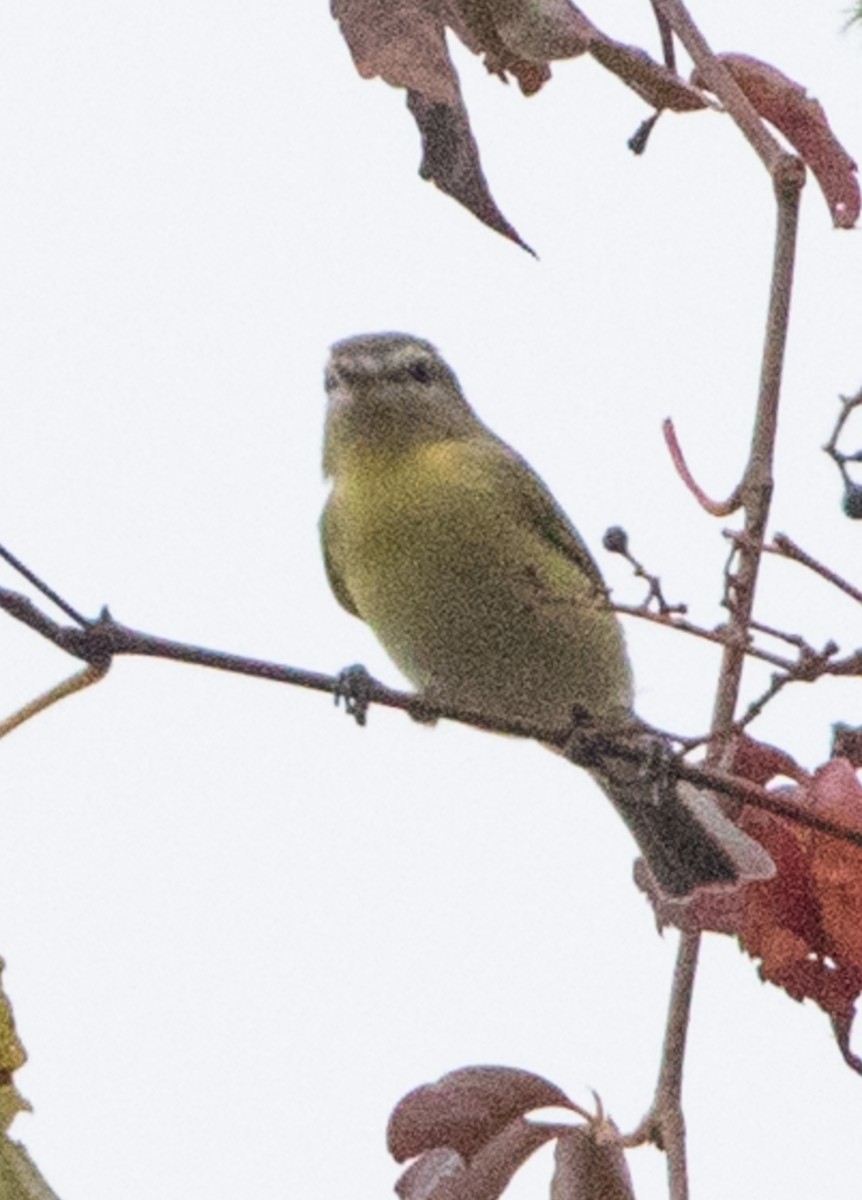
(470, 600)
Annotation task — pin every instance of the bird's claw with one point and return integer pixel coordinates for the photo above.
(353, 686)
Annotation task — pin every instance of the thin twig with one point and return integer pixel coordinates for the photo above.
(721, 83)
(664, 1120)
(664, 1124)
(41, 586)
(105, 638)
(787, 548)
(666, 35)
(848, 404)
(758, 479)
(616, 541)
(720, 636)
(68, 687)
(810, 665)
(715, 508)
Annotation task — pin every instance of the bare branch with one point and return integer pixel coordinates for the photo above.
(664, 1121)
(716, 508)
(616, 541)
(720, 82)
(787, 548)
(106, 638)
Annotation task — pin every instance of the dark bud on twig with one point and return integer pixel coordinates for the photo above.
(637, 143)
(847, 743)
(616, 540)
(852, 502)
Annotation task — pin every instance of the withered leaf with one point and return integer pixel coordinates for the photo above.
(466, 1109)
(590, 1163)
(803, 122)
(443, 1175)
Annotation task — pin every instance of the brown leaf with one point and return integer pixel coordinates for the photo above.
(847, 743)
(402, 41)
(653, 82)
(803, 122)
(466, 1109)
(535, 31)
(443, 1175)
(450, 158)
(591, 1165)
(439, 1174)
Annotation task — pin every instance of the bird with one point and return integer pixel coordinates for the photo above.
(444, 540)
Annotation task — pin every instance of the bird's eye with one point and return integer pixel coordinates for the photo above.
(420, 371)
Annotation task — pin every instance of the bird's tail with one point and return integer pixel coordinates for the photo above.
(685, 838)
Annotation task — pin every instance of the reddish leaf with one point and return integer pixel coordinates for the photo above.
(803, 122)
(590, 1165)
(404, 42)
(443, 1175)
(761, 762)
(466, 1109)
(805, 924)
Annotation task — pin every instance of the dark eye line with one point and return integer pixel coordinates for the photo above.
(420, 371)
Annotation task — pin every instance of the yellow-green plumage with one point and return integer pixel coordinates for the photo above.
(446, 543)
(458, 577)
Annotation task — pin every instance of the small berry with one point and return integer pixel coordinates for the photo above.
(852, 502)
(616, 540)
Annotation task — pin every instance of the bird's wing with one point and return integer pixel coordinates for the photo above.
(329, 541)
(537, 506)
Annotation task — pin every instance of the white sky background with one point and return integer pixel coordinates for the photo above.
(238, 928)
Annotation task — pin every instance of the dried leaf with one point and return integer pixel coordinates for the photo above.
(591, 1165)
(803, 122)
(847, 743)
(466, 1109)
(436, 1175)
(450, 158)
(760, 762)
(805, 924)
(404, 42)
(536, 31)
(443, 1175)
(653, 82)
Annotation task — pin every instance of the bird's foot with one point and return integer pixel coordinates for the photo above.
(353, 685)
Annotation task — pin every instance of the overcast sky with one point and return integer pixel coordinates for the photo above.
(237, 928)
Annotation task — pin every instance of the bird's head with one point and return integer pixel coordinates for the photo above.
(388, 392)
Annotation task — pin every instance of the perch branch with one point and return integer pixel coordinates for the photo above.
(100, 641)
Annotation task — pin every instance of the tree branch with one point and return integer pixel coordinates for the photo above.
(664, 1121)
(102, 640)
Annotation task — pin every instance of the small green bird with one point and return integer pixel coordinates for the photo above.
(443, 539)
